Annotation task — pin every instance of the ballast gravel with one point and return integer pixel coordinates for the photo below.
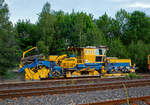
(80, 98)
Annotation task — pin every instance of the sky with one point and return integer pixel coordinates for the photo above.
(29, 9)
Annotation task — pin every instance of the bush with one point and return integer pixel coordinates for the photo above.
(10, 75)
(132, 75)
(139, 76)
(127, 77)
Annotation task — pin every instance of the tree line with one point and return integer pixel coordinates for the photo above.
(127, 35)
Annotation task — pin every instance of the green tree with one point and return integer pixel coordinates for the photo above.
(59, 44)
(95, 37)
(122, 18)
(8, 46)
(138, 54)
(139, 27)
(77, 36)
(109, 26)
(104, 24)
(45, 24)
(117, 49)
(27, 34)
(83, 31)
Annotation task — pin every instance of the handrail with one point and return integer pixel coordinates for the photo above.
(28, 51)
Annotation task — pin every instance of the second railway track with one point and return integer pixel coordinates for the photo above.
(11, 93)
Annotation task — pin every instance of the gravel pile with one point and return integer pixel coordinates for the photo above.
(79, 98)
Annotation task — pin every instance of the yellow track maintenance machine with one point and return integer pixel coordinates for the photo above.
(84, 61)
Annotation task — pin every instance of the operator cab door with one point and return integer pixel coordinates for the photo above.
(99, 55)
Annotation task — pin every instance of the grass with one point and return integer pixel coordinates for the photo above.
(10, 75)
(90, 82)
(73, 82)
(127, 77)
(64, 84)
(133, 75)
(139, 76)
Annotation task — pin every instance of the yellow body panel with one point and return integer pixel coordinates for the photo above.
(103, 71)
(60, 58)
(27, 77)
(69, 62)
(93, 69)
(41, 73)
(83, 69)
(91, 72)
(94, 73)
(52, 58)
(68, 74)
(56, 58)
(29, 73)
(76, 73)
(89, 55)
(36, 76)
(119, 61)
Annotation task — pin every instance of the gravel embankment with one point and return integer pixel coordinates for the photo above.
(79, 98)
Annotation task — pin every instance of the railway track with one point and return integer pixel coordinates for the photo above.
(64, 81)
(132, 101)
(11, 93)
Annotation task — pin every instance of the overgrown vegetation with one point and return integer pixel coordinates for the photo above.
(133, 75)
(127, 35)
